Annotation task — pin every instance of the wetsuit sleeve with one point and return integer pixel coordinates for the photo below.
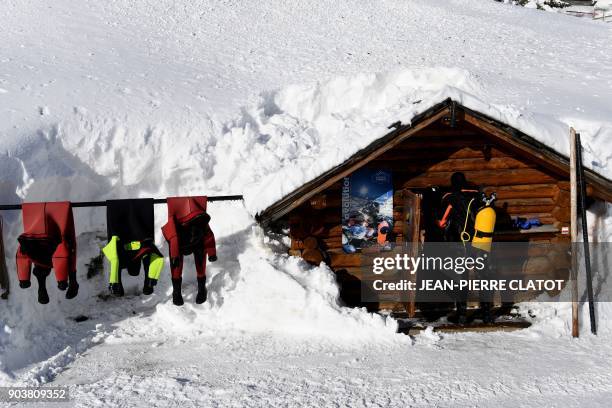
(210, 246)
(171, 235)
(112, 254)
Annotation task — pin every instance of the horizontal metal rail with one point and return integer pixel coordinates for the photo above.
(103, 203)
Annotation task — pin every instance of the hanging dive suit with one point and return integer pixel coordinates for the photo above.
(188, 232)
(48, 242)
(131, 234)
(4, 277)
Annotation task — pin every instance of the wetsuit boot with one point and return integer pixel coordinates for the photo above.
(73, 286)
(116, 289)
(177, 297)
(41, 276)
(148, 286)
(202, 292)
(73, 290)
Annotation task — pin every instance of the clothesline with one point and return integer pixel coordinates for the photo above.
(103, 203)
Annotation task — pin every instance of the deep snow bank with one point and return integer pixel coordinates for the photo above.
(265, 291)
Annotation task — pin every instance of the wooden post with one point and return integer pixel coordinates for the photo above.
(412, 234)
(574, 234)
(416, 245)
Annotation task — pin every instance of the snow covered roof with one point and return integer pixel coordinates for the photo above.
(545, 152)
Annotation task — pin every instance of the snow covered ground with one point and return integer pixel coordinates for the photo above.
(503, 370)
(154, 98)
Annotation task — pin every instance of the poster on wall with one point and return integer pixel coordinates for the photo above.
(367, 210)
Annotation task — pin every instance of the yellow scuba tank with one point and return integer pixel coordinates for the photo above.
(484, 225)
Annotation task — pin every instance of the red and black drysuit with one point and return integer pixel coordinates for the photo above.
(48, 242)
(188, 232)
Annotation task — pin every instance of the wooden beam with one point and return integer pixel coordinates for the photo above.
(503, 177)
(506, 326)
(574, 233)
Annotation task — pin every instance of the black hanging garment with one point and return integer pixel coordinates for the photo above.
(131, 241)
(4, 278)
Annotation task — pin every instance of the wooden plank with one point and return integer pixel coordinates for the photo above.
(402, 153)
(545, 218)
(522, 191)
(447, 132)
(411, 228)
(574, 233)
(418, 165)
(515, 202)
(432, 144)
(504, 193)
(338, 260)
(562, 213)
(493, 178)
(563, 198)
(473, 327)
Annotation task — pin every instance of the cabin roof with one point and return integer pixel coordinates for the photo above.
(449, 110)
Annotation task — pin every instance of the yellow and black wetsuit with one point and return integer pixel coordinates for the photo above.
(131, 232)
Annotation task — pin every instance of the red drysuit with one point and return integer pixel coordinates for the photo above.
(48, 241)
(188, 232)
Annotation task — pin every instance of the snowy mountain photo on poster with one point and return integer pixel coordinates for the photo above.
(367, 207)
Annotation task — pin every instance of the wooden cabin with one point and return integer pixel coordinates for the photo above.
(530, 180)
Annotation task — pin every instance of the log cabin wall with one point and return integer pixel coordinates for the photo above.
(523, 187)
